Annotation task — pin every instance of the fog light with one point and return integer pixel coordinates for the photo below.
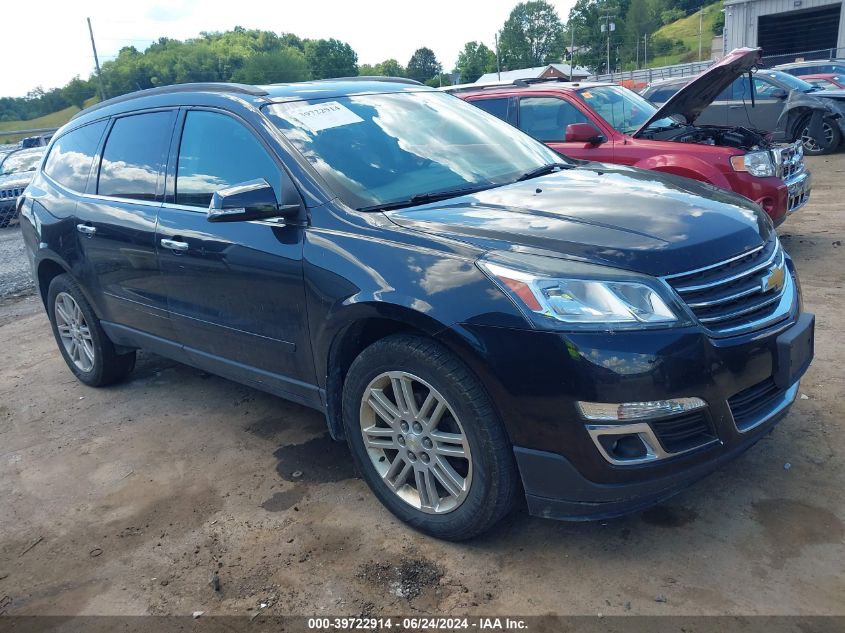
(624, 447)
(626, 411)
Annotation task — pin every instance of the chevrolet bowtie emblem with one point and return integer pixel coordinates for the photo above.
(773, 280)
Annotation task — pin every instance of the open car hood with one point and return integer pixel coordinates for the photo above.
(692, 99)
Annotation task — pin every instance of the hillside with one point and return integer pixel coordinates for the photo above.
(686, 30)
(55, 119)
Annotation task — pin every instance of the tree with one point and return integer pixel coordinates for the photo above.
(284, 65)
(423, 65)
(532, 36)
(77, 91)
(387, 68)
(475, 60)
(331, 58)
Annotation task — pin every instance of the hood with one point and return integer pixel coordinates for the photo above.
(623, 217)
(692, 99)
(19, 179)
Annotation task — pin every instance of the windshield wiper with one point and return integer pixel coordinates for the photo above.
(549, 168)
(432, 196)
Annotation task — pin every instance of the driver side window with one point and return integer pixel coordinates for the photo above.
(216, 152)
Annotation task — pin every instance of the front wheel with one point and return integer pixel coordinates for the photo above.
(830, 140)
(426, 438)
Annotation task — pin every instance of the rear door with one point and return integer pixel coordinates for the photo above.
(546, 118)
(116, 222)
(764, 113)
(235, 290)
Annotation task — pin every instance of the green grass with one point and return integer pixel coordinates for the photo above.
(686, 30)
(55, 119)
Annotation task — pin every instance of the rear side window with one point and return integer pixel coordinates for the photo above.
(217, 152)
(135, 155)
(662, 95)
(71, 156)
(497, 107)
(546, 118)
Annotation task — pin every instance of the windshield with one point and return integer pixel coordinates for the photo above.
(382, 149)
(20, 162)
(790, 81)
(623, 109)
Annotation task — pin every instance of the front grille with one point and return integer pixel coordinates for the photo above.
(11, 193)
(750, 404)
(790, 160)
(797, 200)
(683, 432)
(739, 294)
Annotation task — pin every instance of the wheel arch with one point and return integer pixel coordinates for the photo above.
(362, 325)
(48, 269)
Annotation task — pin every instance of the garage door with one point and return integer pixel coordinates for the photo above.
(799, 31)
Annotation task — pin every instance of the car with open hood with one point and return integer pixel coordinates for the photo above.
(609, 123)
(476, 316)
(16, 171)
(773, 102)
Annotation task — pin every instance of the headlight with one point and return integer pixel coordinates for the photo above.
(755, 163)
(556, 293)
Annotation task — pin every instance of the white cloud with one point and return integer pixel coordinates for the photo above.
(49, 43)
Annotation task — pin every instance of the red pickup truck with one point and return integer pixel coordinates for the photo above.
(608, 123)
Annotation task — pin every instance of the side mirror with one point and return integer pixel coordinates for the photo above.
(584, 133)
(779, 93)
(252, 200)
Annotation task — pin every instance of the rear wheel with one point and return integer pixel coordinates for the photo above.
(828, 143)
(426, 438)
(87, 350)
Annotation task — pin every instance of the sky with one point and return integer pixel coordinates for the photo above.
(50, 44)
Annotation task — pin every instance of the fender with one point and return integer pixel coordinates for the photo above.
(687, 166)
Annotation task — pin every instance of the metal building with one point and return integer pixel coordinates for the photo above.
(786, 30)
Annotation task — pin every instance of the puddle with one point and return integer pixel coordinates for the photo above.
(319, 460)
(669, 517)
(791, 525)
(281, 501)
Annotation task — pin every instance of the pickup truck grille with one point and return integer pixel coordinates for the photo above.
(739, 294)
(11, 193)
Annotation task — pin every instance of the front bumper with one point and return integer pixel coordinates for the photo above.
(536, 379)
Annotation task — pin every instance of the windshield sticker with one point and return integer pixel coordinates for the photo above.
(587, 95)
(323, 116)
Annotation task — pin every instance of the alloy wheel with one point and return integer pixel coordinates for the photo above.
(811, 144)
(74, 332)
(416, 442)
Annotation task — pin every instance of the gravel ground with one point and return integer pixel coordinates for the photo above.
(178, 491)
(15, 276)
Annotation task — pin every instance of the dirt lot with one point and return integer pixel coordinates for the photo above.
(130, 499)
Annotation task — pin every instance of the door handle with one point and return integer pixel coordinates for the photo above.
(175, 245)
(87, 231)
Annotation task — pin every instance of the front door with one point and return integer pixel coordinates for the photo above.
(235, 290)
(546, 119)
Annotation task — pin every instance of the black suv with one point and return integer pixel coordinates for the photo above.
(475, 314)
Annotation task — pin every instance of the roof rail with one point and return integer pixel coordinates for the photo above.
(520, 83)
(393, 80)
(217, 86)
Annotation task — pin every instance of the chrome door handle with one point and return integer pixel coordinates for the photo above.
(87, 231)
(175, 245)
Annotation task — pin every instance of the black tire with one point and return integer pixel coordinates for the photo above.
(833, 137)
(108, 366)
(493, 484)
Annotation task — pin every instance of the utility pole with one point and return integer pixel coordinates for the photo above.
(96, 62)
(645, 50)
(572, 51)
(608, 27)
(498, 66)
(700, 20)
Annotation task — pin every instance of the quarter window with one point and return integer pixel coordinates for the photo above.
(71, 156)
(135, 155)
(546, 118)
(217, 152)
